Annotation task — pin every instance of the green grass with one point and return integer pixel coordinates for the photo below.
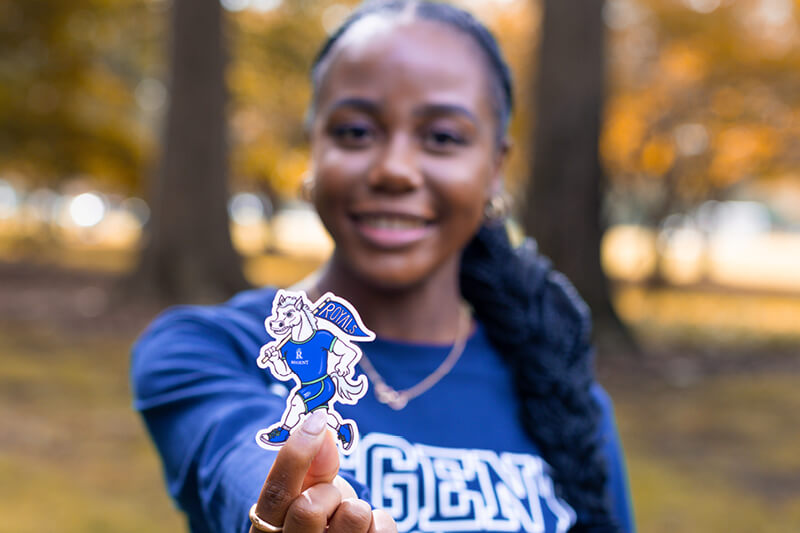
(72, 452)
(719, 455)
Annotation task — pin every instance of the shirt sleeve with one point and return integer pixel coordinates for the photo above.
(203, 405)
(203, 398)
(326, 339)
(618, 491)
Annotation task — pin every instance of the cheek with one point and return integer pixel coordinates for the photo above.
(463, 188)
(336, 171)
(337, 174)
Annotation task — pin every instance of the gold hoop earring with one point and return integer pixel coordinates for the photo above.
(497, 208)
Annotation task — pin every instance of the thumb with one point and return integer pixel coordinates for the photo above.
(296, 460)
(325, 465)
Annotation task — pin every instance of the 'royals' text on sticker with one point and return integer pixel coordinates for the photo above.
(432, 489)
(337, 315)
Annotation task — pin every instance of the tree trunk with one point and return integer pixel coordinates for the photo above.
(189, 255)
(564, 195)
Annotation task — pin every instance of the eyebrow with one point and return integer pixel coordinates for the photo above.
(372, 107)
(447, 109)
(362, 104)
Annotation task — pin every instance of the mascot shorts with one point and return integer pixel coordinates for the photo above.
(318, 393)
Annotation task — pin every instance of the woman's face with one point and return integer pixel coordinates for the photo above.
(404, 149)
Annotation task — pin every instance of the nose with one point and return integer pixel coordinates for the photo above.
(395, 169)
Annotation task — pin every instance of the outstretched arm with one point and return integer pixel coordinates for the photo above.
(346, 355)
(204, 399)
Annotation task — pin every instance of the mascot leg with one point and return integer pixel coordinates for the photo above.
(280, 434)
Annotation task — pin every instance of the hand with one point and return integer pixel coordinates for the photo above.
(267, 353)
(302, 492)
(341, 369)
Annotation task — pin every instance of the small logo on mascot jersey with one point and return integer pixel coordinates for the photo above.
(323, 369)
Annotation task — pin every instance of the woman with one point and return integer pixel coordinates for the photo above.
(486, 419)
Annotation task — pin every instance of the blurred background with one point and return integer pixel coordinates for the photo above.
(152, 151)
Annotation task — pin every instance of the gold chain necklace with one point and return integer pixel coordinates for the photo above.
(398, 399)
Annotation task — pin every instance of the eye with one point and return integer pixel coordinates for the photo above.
(353, 135)
(443, 140)
(290, 314)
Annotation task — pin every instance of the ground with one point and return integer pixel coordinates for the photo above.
(709, 426)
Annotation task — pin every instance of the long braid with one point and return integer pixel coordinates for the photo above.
(529, 311)
(542, 328)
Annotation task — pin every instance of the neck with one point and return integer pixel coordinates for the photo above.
(427, 312)
(302, 331)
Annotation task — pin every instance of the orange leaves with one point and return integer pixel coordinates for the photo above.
(727, 103)
(740, 151)
(626, 126)
(658, 155)
(682, 63)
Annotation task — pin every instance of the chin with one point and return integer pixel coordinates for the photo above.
(395, 273)
(391, 279)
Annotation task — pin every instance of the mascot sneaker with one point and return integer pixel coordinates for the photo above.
(276, 436)
(345, 434)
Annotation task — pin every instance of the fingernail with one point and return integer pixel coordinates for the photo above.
(314, 423)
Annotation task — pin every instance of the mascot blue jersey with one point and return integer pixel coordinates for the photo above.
(309, 359)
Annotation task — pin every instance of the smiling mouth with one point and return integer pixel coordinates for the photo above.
(391, 221)
(391, 231)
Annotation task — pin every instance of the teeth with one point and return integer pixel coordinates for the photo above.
(392, 222)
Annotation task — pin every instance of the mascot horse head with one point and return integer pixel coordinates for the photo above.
(294, 315)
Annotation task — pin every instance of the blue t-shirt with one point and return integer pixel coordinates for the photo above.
(309, 359)
(454, 459)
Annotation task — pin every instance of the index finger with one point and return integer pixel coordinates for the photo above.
(285, 479)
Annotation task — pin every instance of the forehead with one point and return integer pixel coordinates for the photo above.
(380, 57)
(286, 304)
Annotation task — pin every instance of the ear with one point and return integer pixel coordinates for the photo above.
(495, 184)
(298, 304)
(281, 300)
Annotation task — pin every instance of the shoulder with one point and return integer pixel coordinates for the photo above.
(323, 334)
(617, 481)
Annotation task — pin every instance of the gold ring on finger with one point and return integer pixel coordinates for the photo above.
(262, 525)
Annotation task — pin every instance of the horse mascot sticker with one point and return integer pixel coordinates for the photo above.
(314, 346)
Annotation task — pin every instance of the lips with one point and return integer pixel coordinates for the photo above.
(391, 221)
(391, 230)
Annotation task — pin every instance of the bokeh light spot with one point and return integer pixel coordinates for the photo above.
(87, 209)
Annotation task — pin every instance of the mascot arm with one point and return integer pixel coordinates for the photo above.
(346, 354)
(280, 367)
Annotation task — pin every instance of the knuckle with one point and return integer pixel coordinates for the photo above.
(275, 492)
(356, 515)
(305, 512)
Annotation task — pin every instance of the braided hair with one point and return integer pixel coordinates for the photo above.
(530, 312)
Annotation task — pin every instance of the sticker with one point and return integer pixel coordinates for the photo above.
(314, 346)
